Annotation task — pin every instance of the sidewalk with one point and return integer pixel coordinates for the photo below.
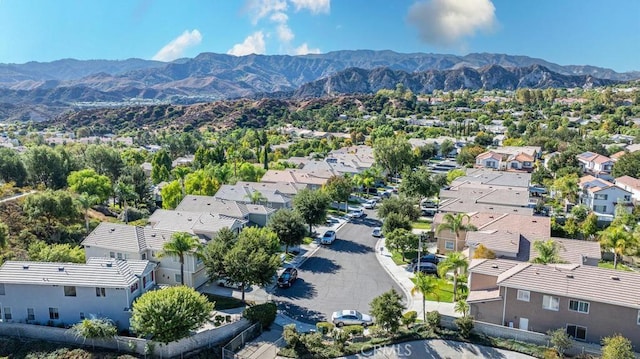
(403, 276)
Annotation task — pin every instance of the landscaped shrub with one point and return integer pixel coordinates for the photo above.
(465, 325)
(264, 314)
(291, 335)
(353, 330)
(324, 328)
(433, 319)
(409, 318)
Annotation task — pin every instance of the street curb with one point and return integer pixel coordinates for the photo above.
(407, 292)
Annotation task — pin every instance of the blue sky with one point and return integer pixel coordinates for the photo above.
(577, 32)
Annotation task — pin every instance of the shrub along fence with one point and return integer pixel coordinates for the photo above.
(204, 339)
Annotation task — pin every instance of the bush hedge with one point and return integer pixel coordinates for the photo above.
(264, 314)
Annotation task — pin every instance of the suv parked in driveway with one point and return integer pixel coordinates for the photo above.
(426, 268)
(287, 277)
(427, 258)
(328, 237)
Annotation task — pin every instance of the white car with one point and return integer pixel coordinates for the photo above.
(328, 237)
(356, 213)
(350, 317)
(225, 282)
(370, 204)
(377, 232)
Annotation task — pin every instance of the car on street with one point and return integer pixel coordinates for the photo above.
(287, 277)
(426, 268)
(350, 317)
(377, 232)
(227, 283)
(328, 237)
(427, 258)
(370, 204)
(356, 213)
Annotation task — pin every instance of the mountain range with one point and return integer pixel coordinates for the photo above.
(209, 76)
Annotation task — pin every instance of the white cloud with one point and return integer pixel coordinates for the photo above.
(284, 33)
(176, 48)
(304, 49)
(262, 8)
(253, 44)
(279, 17)
(315, 6)
(446, 22)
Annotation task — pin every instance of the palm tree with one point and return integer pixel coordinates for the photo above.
(425, 284)
(181, 243)
(456, 224)
(85, 202)
(457, 263)
(180, 173)
(461, 307)
(256, 197)
(125, 193)
(619, 240)
(548, 252)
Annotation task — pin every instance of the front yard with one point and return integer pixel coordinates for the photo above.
(443, 294)
(609, 265)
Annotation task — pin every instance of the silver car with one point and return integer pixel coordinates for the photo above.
(351, 317)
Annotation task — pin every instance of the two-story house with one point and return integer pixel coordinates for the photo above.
(630, 184)
(248, 194)
(121, 241)
(254, 214)
(596, 165)
(589, 302)
(602, 196)
(491, 159)
(66, 293)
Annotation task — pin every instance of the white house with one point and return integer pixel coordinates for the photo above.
(630, 184)
(602, 196)
(66, 293)
(121, 241)
(595, 164)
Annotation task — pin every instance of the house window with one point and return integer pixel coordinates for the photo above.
(449, 245)
(53, 314)
(69, 291)
(527, 163)
(144, 282)
(7, 313)
(31, 314)
(178, 278)
(638, 320)
(101, 292)
(577, 332)
(514, 164)
(523, 295)
(134, 287)
(82, 316)
(550, 303)
(627, 198)
(112, 254)
(1, 288)
(600, 209)
(119, 255)
(144, 256)
(600, 196)
(579, 306)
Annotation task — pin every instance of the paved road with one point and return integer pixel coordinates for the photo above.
(343, 275)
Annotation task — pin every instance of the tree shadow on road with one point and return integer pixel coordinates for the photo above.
(351, 247)
(320, 265)
(299, 313)
(300, 289)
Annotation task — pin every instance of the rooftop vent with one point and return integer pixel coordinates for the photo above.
(26, 266)
(109, 264)
(614, 277)
(495, 266)
(153, 234)
(60, 269)
(569, 275)
(112, 229)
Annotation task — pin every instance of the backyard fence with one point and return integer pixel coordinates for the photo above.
(239, 341)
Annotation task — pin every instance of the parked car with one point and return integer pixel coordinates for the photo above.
(226, 282)
(287, 277)
(377, 232)
(426, 268)
(350, 317)
(328, 237)
(356, 213)
(370, 204)
(427, 258)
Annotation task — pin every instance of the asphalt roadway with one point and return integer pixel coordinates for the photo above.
(343, 275)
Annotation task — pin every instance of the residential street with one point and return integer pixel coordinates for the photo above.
(343, 275)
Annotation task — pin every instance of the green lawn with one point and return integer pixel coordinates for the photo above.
(307, 240)
(444, 292)
(223, 303)
(421, 225)
(397, 257)
(609, 265)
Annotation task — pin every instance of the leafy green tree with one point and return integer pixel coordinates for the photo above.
(171, 195)
(4, 235)
(590, 226)
(104, 160)
(425, 285)
(179, 173)
(125, 193)
(456, 173)
(399, 205)
(249, 172)
(40, 251)
(132, 157)
(46, 166)
(387, 310)
(312, 206)
(401, 240)
(483, 252)
(393, 154)
(338, 188)
(560, 340)
(214, 251)
(580, 212)
(395, 221)
(468, 154)
(201, 182)
(160, 166)
(446, 147)
(97, 328)
(617, 347)
(456, 224)
(134, 176)
(456, 263)
(181, 244)
(50, 205)
(90, 182)
(12, 169)
(618, 240)
(418, 184)
(170, 314)
(289, 226)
